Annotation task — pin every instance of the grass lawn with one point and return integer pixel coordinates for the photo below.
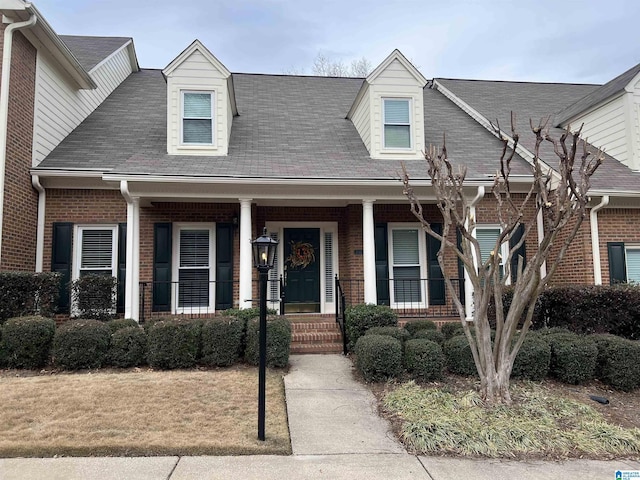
(140, 412)
(450, 419)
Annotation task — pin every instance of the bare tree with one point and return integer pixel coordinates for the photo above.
(327, 67)
(560, 194)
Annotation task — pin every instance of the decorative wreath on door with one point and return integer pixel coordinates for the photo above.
(302, 254)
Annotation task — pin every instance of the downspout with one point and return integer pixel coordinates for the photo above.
(595, 239)
(468, 286)
(4, 104)
(42, 198)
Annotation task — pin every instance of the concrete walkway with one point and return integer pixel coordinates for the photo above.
(336, 434)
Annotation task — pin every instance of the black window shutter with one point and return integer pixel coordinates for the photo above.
(224, 266)
(617, 263)
(61, 261)
(382, 264)
(122, 265)
(435, 276)
(521, 252)
(161, 267)
(460, 267)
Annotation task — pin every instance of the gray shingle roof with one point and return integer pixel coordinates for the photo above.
(288, 127)
(496, 100)
(92, 50)
(600, 94)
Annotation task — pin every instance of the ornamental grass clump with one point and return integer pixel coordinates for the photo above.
(80, 344)
(26, 341)
(222, 339)
(378, 357)
(424, 359)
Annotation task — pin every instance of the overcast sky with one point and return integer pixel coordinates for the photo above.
(584, 41)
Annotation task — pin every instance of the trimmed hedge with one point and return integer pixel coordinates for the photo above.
(360, 318)
(81, 344)
(432, 335)
(128, 347)
(174, 343)
(618, 362)
(278, 342)
(119, 323)
(222, 341)
(452, 329)
(573, 358)
(24, 293)
(417, 325)
(246, 314)
(395, 332)
(533, 359)
(459, 357)
(424, 359)
(26, 341)
(94, 296)
(378, 357)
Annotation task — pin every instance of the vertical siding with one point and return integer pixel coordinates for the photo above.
(362, 119)
(60, 108)
(197, 73)
(605, 127)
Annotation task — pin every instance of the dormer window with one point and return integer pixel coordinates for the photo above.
(197, 118)
(397, 123)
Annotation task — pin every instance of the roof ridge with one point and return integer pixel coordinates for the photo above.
(519, 81)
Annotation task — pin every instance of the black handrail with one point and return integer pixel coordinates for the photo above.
(282, 295)
(341, 303)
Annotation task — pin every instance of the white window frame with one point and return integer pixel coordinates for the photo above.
(409, 100)
(626, 257)
(77, 247)
(212, 94)
(175, 270)
(504, 248)
(422, 257)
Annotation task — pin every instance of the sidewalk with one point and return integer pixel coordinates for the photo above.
(336, 434)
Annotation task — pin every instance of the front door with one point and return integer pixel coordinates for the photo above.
(302, 270)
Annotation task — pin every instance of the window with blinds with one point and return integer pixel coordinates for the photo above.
(397, 123)
(632, 255)
(405, 249)
(487, 238)
(197, 118)
(194, 268)
(97, 251)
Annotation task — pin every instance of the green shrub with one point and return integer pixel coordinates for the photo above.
(416, 325)
(433, 335)
(128, 347)
(533, 359)
(360, 318)
(424, 359)
(246, 314)
(395, 332)
(222, 341)
(119, 323)
(81, 344)
(94, 296)
(459, 357)
(452, 329)
(378, 357)
(26, 341)
(25, 293)
(278, 341)
(618, 362)
(573, 358)
(174, 343)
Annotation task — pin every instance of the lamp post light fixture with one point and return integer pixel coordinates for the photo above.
(264, 252)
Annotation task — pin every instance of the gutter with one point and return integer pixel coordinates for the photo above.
(42, 200)
(4, 104)
(595, 239)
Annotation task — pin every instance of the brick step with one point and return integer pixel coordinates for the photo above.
(316, 337)
(315, 326)
(306, 348)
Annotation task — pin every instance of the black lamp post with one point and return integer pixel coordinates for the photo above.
(264, 252)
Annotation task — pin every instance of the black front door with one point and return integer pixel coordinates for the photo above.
(302, 269)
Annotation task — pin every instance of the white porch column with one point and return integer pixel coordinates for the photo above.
(246, 262)
(132, 287)
(468, 286)
(369, 252)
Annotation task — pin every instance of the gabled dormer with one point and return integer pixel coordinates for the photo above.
(200, 103)
(388, 111)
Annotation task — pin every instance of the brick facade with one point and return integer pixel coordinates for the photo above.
(20, 199)
(616, 225)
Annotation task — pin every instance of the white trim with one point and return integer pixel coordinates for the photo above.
(212, 96)
(77, 250)
(279, 227)
(245, 289)
(177, 227)
(113, 54)
(369, 252)
(635, 247)
(196, 45)
(397, 55)
(504, 247)
(422, 259)
(410, 148)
